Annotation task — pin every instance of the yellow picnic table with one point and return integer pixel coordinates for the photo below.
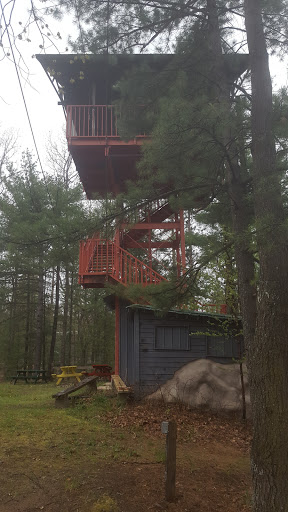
(67, 373)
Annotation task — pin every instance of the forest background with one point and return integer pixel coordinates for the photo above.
(46, 318)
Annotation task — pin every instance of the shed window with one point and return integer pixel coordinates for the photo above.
(218, 346)
(172, 338)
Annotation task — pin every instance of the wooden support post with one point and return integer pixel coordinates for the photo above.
(117, 334)
(170, 429)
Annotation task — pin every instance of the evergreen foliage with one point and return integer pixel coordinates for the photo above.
(41, 222)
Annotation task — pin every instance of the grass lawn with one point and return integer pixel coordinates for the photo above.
(103, 456)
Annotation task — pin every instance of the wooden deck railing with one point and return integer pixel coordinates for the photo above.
(97, 121)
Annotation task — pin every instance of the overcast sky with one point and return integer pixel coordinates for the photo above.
(45, 114)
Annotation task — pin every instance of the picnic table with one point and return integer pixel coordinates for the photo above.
(100, 370)
(30, 375)
(68, 372)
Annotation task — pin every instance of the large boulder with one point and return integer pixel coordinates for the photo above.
(204, 383)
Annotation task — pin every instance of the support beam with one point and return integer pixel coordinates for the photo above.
(117, 334)
(133, 244)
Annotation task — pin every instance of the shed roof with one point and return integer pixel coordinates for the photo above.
(186, 312)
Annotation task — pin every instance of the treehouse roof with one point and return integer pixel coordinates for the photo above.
(75, 75)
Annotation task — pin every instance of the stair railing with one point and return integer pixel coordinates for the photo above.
(134, 271)
(141, 215)
(104, 257)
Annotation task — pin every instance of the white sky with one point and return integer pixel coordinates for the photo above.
(42, 101)
(45, 114)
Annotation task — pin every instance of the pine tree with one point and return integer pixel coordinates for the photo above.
(268, 353)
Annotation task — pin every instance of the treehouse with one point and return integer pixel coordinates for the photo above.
(87, 86)
(87, 89)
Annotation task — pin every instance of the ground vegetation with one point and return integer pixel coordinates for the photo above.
(93, 456)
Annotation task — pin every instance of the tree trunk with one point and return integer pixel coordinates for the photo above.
(44, 325)
(231, 296)
(27, 326)
(39, 317)
(268, 353)
(12, 314)
(242, 216)
(55, 321)
(65, 320)
(189, 249)
(241, 220)
(214, 39)
(237, 180)
(70, 323)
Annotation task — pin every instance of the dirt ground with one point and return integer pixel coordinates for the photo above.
(96, 458)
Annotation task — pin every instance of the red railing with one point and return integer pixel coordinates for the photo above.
(207, 308)
(104, 257)
(150, 210)
(96, 121)
(100, 257)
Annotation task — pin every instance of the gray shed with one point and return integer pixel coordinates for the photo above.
(153, 347)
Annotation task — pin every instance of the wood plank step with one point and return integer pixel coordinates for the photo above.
(120, 386)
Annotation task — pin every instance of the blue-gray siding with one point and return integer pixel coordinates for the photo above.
(152, 349)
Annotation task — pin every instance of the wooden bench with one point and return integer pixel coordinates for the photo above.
(120, 387)
(62, 397)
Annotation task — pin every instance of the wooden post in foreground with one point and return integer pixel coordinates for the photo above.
(170, 429)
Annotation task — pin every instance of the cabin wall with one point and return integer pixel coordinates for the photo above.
(152, 349)
(157, 365)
